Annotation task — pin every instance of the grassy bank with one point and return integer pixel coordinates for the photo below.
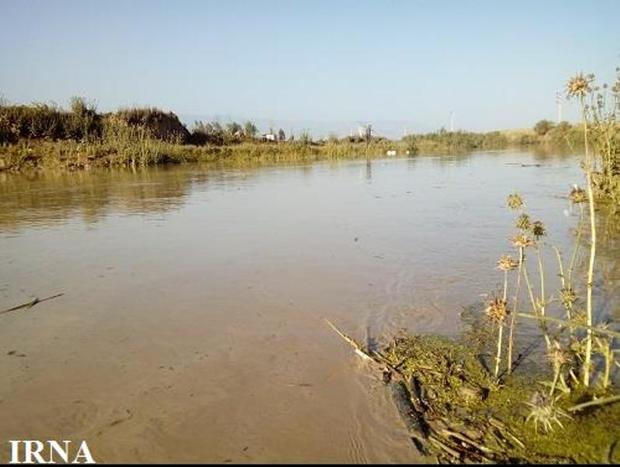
(73, 155)
(42, 136)
(121, 150)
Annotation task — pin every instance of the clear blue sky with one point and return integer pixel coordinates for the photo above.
(396, 63)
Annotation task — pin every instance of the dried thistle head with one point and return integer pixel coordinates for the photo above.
(538, 229)
(523, 222)
(507, 263)
(522, 241)
(558, 355)
(579, 85)
(497, 310)
(514, 201)
(568, 296)
(578, 195)
(545, 411)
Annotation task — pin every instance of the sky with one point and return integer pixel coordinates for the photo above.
(403, 66)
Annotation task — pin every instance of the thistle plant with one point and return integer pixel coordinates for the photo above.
(497, 311)
(567, 294)
(506, 263)
(574, 341)
(580, 87)
(537, 229)
(545, 412)
(515, 203)
(529, 235)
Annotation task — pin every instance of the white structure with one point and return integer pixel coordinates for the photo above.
(558, 100)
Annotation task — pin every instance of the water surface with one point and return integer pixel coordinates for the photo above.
(192, 329)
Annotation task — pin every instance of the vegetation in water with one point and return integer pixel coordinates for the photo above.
(471, 417)
(472, 399)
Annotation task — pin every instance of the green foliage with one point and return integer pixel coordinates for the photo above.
(48, 121)
(83, 122)
(564, 134)
(455, 141)
(305, 138)
(214, 133)
(543, 127)
(250, 130)
(164, 126)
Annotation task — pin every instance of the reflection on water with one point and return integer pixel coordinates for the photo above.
(191, 326)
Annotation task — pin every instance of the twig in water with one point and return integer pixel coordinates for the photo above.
(358, 350)
(31, 303)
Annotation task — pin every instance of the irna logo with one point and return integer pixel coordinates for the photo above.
(49, 452)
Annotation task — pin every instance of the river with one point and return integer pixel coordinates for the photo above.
(191, 326)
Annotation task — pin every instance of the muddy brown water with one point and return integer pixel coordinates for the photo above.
(191, 326)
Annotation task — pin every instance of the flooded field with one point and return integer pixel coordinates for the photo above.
(191, 326)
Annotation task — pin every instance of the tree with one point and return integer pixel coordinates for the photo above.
(233, 130)
(281, 135)
(83, 121)
(543, 127)
(249, 129)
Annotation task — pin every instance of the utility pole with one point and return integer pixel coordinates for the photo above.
(558, 100)
(452, 122)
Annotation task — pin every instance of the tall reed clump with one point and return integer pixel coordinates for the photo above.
(579, 348)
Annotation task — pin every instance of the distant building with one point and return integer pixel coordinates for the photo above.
(267, 137)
